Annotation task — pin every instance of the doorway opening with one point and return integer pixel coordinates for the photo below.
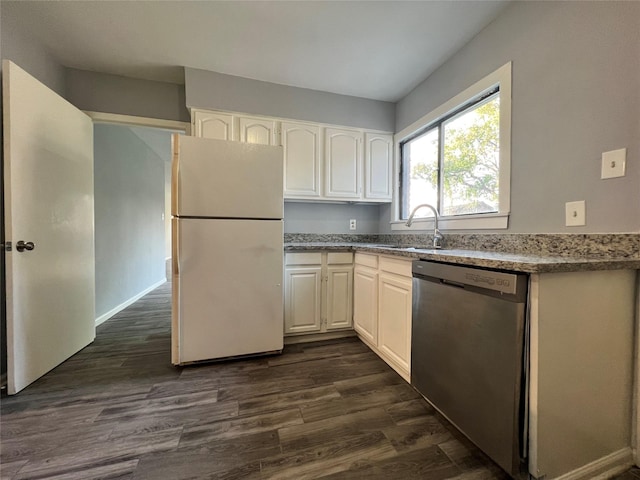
(132, 186)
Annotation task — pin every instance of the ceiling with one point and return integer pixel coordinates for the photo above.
(373, 49)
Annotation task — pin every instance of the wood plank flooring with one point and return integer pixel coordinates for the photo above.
(119, 410)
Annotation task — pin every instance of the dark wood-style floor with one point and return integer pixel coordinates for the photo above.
(119, 410)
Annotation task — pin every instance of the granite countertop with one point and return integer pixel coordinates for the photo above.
(527, 263)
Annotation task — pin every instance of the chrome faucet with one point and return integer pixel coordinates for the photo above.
(437, 236)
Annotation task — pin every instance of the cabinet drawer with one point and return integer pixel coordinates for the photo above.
(339, 258)
(396, 265)
(367, 260)
(306, 258)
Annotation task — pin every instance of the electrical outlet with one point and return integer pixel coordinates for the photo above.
(613, 163)
(575, 214)
(352, 224)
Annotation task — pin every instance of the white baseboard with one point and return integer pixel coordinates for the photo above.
(316, 337)
(106, 316)
(387, 359)
(603, 468)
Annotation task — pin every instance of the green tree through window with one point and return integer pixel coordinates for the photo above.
(468, 162)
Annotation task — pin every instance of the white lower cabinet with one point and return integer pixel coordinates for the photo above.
(365, 297)
(339, 296)
(382, 308)
(303, 289)
(318, 292)
(394, 319)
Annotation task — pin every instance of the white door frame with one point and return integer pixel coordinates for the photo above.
(135, 121)
(101, 117)
(97, 117)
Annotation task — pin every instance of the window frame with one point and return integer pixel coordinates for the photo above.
(501, 78)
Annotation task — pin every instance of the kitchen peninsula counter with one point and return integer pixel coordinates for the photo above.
(581, 319)
(527, 263)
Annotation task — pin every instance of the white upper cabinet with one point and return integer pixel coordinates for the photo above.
(258, 130)
(219, 126)
(301, 144)
(378, 166)
(321, 162)
(343, 161)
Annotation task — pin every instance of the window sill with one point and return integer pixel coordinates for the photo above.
(487, 221)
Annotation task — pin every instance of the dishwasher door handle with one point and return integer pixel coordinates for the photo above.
(452, 283)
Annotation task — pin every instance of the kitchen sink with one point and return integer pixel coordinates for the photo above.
(413, 249)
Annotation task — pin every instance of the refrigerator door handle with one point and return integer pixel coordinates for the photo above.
(175, 294)
(175, 266)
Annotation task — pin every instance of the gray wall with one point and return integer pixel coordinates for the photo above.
(21, 47)
(129, 202)
(576, 78)
(329, 218)
(102, 92)
(217, 91)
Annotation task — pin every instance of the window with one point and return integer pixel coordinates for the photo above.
(457, 159)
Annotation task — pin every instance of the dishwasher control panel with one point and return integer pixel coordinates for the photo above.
(503, 282)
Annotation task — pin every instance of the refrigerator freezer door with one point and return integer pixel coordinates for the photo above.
(227, 288)
(221, 179)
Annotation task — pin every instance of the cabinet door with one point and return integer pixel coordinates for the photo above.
(365, 303)
(339, 295)
(301, 144)
(257, 130)
(303, 288)
(343, 159)
(378, 166)
(218, 126)
(394, 319)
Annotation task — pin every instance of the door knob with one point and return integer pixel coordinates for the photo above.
(21, 246)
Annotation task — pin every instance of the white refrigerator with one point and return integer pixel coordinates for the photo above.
(227, 249)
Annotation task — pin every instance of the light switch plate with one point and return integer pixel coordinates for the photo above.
(613, 163)
(575, 214)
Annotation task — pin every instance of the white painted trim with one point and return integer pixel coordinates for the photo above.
(316, 337)
(387, 359)
(487, 221)
(101, 117)
(106, 316)
(603, 468)
(501, 77)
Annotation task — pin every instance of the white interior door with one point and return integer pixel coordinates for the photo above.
(48, 168)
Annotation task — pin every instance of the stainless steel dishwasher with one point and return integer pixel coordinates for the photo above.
(467, 353)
